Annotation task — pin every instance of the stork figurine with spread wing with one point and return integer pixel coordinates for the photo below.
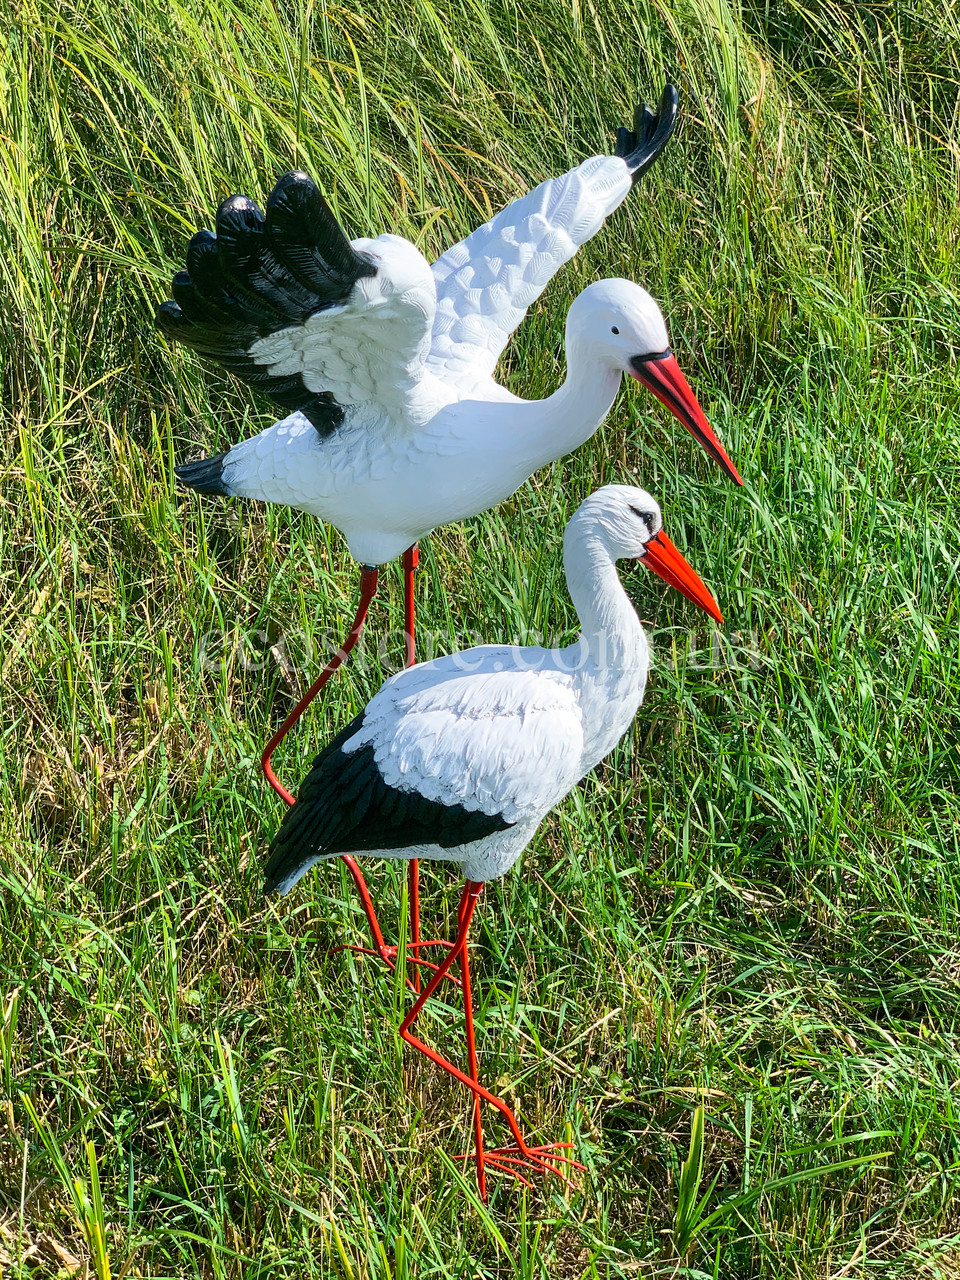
(461, 758)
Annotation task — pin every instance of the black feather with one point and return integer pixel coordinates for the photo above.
(241, 240)
(204, 475)
(651, 133)
(249, 265)
(306, 237)
(261, 274)
(345, 806)
(224, 305)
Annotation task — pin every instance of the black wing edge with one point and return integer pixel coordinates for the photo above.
(260, 273)
(344, 806)
(651, 132)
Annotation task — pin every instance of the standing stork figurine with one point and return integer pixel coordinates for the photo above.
(385, 363)
(461, 758)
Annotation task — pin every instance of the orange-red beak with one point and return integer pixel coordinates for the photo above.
(662, 375)
(667, 563)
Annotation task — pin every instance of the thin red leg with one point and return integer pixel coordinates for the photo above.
(411, 560)
(472, 1061)
(413, 885)
(378, 940)
(381, 948)
(368, 587)
(507, 1159)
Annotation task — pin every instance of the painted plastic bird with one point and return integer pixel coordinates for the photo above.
(460, 758)
(386, 363)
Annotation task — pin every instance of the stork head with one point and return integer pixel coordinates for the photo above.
(629, 524)
(618, 324)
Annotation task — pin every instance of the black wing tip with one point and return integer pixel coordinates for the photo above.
(238, 212)
(205, 474)
(651, 132)
(285, 868)
(296, 193)
(239, 201)
(271, 886)
(260, 273)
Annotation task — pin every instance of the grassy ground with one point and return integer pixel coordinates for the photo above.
(729, 966)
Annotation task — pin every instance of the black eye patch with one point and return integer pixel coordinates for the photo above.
(645, 516)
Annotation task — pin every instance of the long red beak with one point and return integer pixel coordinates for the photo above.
(667, 563)
(662, 375)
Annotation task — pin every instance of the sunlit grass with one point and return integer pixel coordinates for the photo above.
(728, 966)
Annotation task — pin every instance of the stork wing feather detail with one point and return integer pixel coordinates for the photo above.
(483, 729)
(441, 756)
(286, 303)
(486, 282)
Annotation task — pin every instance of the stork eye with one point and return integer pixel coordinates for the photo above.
(645, 516)
(614, 329)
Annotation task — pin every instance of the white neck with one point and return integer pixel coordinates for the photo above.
(561, 423)
(610, 660)
(609, 626)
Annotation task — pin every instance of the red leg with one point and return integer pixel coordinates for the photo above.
(472, 1061)
(368, 587)
(372, 921)
(506, 1159)
(413, 883)
(411, 561)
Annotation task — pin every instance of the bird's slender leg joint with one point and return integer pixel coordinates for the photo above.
(378, 941)
(510, 1160)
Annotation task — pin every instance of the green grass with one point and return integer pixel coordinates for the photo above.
(729, 964)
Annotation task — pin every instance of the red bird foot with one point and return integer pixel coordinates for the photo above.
(513, 1159)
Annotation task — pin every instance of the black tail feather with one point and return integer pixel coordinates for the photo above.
(205, 475)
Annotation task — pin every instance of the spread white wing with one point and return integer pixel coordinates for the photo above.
(286, 303)
(486, 283)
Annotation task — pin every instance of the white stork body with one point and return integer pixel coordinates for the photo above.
(387, 362)
(476, 747)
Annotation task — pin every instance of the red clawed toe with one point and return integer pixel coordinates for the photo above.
(511, 1160)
